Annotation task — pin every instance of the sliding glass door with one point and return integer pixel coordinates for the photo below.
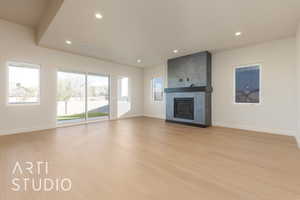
(82, 97)
(97, 96)
(70, 97)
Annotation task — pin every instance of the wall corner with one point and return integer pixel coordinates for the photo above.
(298, 83)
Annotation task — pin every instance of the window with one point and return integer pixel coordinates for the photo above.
(123, 88)
(97, 96)
(157, 89)
(247, 84)
(124, 100)
(70, 97)
(23, 83)
(82, 97)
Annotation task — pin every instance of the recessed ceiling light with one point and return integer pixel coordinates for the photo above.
(98, 16)
(238, 33)
(68, 42)
(139, 61)
(175, 51)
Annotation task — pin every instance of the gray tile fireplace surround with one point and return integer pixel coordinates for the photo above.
(201, 102)
(188, 96)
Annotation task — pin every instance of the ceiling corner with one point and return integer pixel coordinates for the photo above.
(50, 13)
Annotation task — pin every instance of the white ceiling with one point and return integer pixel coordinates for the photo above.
(151, 29)
(24, 12)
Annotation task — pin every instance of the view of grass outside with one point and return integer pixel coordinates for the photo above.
(71, 97)
(97, 96)
(81, 116)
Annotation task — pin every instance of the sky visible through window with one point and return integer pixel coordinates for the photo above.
(27, 77)
(124, 87)
(23, 84)
(76, 100)
(157, 88)
(95, 80)
(247, 84)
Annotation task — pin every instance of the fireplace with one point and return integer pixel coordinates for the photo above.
(184, 108)
(188, 96)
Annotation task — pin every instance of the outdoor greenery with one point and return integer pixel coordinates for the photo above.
(65, 92)
(81, 116)
(71, 92)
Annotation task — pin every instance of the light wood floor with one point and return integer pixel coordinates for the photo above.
(144, 158)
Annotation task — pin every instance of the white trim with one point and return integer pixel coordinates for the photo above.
(86, 75)
(25, 130)
(85, 82)
(28, 66)
(154, 116)
(23, 104)
(86, 109)
(260, 83)
(109, 94)
(287, 132)
(245, 127)
(43, 128)
(63, 70)
(119, 89)
(222, 124)
(21, 64)
(83, 122)
(130, 116)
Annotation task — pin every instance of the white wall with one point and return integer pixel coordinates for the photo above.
(298, 84)
(17, 44)
(154, 108)
(276, 114)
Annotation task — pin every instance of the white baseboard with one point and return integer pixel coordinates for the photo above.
(258, 129)
(247, 127)
(66, 124)
(46, 127)
(130, 116)
(25, 130)
(155, 116)
(223, 124)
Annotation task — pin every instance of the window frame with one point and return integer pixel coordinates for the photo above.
(86, 74)
(28, 66)
(119, 89)
(109, 95)
(260, 83)
(152, 89)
